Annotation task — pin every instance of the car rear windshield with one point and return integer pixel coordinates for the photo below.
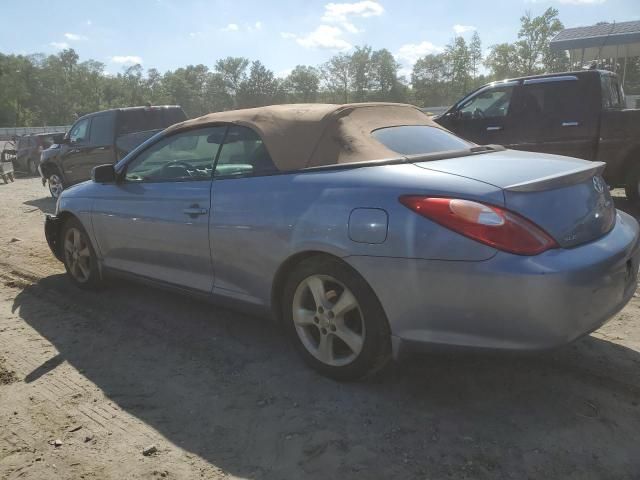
(141, 120)
(418, 139)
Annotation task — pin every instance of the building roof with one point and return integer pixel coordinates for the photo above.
(600, 35)
(300, 136)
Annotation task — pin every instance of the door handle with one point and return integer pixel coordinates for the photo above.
(494, 129)
(570, 124)
(101, 148)
(194, 211)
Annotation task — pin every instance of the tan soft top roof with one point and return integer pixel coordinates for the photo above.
(307, 135)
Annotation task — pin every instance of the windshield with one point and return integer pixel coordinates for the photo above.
(419, 139)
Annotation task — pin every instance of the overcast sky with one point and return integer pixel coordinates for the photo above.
(167, 34)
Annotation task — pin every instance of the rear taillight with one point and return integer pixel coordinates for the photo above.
(493, 226)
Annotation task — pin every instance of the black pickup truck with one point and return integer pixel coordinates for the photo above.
(100, 138)
(579, 114)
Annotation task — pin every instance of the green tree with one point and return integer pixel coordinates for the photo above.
(234, 72)
(337, 77)
(475, 52)
(303, 83)
(260, 88)
(503, 61)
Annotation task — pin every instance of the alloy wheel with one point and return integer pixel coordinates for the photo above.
(328, 320)
(55, 185)
(77, 255)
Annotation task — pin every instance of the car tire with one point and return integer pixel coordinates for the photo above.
(335, 320)
(56, 184)
(632, 185)
(79, 256)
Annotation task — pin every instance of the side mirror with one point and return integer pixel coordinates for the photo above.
(103, 174)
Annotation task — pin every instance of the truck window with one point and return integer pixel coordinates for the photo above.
(101, 130)
(490, 103)
(144, 119)
(551, 100)
(611, 95)
(78, 133)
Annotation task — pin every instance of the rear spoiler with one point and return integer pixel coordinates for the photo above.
(559, 180)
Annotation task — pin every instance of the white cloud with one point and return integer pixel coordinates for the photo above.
(59, 45)
(288, 35)
(284, 73)
(89, 23)
(341, 13)
(409, 53)
(258, 25)
(460, 29)
(74, 36)
(126, 59)
(325, 36)
(232, 27)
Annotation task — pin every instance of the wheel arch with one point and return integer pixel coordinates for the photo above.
(280, 278)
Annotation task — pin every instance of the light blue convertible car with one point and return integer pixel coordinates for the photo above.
(365, 229)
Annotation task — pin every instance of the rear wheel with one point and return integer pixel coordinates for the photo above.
(335, 320)
(56, 185)
(79, 257)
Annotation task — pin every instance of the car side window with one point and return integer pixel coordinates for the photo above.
(78, 133)
(243, 153)
(185, 156)
(490, 103)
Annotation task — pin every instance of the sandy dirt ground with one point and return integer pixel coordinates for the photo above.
(90, 380)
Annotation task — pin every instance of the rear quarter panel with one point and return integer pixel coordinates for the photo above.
(258, 223)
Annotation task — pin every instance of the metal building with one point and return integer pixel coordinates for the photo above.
(617, 41)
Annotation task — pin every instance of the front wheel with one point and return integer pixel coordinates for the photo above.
(335, 320)
(79, 257)
(56, 185)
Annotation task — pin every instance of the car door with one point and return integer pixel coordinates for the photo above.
(554, 115)
(98, 148)
(154, 222)
(243, 234)
(484, 117)
(72, 155)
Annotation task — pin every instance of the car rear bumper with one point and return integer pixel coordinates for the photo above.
(509, 301)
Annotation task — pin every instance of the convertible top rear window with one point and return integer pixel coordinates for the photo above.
(418, 139)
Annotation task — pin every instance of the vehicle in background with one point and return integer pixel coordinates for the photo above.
(100, 138)
(28, 150)
(363, 228)
(577, 114)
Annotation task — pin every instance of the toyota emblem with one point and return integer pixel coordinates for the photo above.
(598, 184)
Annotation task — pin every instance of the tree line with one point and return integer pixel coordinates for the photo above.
(55, 89)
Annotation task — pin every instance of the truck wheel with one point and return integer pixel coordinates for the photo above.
(56, 185)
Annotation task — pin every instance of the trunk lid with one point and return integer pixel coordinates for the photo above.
(564, 196)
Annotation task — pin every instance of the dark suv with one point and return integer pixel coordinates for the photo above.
(100, 138)
(28, 149)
